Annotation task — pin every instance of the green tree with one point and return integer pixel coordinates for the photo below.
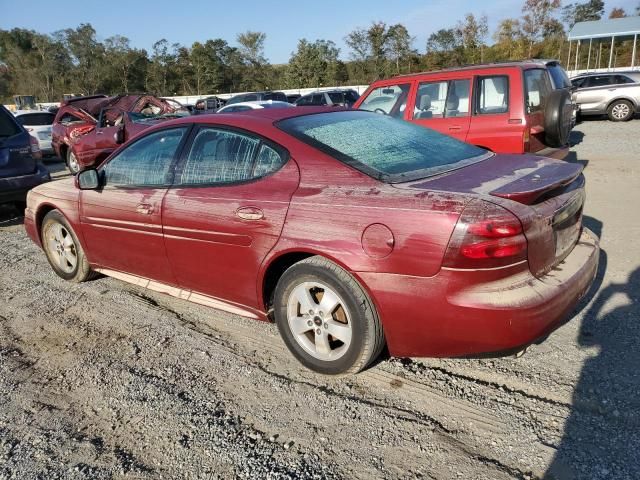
(472, 32)
(538, 20)
(312, 64)
(573, 13)
(399, 49)
(252, 54)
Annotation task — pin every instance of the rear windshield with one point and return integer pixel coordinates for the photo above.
(382, 147)
(8, 125)
(36, 119)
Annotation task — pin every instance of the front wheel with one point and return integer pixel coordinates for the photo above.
(63, 250)
(326, 319)
(620, 111)
(72, 162)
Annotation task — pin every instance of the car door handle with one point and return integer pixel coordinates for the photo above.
(250, 213)
(455, 127)
(144, 209)
(99, 132)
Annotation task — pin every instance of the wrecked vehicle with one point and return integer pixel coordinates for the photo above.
(351, 229)
(78, 117)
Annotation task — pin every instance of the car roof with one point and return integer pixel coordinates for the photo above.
(481, 66)
(599, 74)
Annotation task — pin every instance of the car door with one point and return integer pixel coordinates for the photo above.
(226, 211)
(121, 221)
(444, 105)
(592, 96)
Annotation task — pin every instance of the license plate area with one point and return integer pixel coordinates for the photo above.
(567, 226)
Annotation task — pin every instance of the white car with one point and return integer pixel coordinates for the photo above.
(246, 106)
(38, 124)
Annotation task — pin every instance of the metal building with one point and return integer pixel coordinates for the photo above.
(596, 34)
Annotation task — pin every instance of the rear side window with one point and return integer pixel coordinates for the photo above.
(336, 97)
(599, 81)
(250, 98)
(8, 126)
(536, 89)
(442, 99)
(36, 119)
(389, 100)
(492, 95)
(622, 79)
(279, 96)
(302, 101)
(219, 156)
(146, 162)
(382, 147)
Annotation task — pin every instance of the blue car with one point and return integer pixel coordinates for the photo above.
(19, 170)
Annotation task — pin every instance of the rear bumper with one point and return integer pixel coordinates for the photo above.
(14, 189)
(461, 313)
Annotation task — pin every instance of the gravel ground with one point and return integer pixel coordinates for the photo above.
(106, 380)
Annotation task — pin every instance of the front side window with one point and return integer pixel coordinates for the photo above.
(493, 95)
(382, 147)
(389, 100)
(536, 89)
(220, 156)
(146, 162)
(318, 99)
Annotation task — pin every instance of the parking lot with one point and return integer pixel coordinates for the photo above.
(107, 380)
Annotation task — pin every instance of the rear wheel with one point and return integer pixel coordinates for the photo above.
(620, 111)
(63, 250)
(326, 319)
(72, 162)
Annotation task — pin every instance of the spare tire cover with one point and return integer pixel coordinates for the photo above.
(558, 114)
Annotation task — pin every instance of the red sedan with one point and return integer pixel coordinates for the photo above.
(352, 230)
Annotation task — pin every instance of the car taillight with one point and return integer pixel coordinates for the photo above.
(35, 147)
(486, 236)
(526, 140)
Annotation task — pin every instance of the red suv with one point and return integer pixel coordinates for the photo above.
(506, 107)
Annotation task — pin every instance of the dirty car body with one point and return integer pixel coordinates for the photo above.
(458, 251)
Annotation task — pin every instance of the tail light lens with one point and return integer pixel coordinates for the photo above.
(486, 236)
(35, 147)
(526, 140)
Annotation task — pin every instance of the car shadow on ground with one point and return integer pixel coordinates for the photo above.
(604, 423)
(11, 215)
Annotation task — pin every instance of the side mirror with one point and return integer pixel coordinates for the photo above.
(118, 137)
(88, 179)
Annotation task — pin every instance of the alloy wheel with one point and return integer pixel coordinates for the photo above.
(319, 320)
(62, 248)
(620, 111)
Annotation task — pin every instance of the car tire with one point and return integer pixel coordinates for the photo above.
(344, 338)
(63, 250)
(620, 111)
(72, 162)
(558, 118)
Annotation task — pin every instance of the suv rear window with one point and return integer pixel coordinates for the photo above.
(36, 119)
(8, 125)
(382, 147)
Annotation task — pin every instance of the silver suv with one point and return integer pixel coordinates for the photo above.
(615, 94)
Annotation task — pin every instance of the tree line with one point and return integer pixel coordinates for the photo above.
(75, 61)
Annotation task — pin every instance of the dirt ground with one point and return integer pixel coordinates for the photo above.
(106, 380)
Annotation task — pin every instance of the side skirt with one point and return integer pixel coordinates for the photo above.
(182, 294)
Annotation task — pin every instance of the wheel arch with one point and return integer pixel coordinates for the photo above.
(279, 262)
(632, 101)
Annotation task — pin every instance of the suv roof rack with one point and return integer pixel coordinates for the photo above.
(471, 66)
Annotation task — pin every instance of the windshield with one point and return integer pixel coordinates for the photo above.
(382, 147)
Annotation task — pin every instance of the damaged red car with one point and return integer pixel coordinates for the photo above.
(87, 129)
(350, 229)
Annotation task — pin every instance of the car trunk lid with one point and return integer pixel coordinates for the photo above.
(16, 158)
(547, 195)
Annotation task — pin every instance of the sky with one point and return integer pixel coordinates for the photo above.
(284, 21)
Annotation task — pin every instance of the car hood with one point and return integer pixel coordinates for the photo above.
(522, 178)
